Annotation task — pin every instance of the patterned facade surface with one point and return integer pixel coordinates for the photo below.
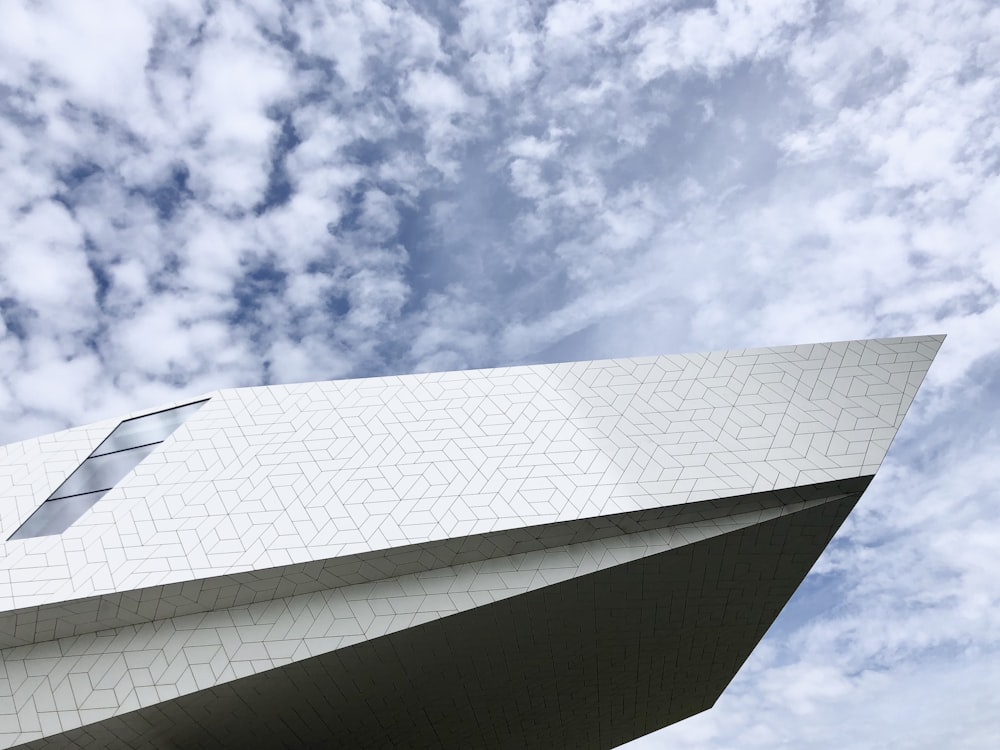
(587, 662)
(281, 523)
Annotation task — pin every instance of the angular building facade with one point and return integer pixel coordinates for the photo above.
(568, 555)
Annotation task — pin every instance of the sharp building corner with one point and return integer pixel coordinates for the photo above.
(561, 555)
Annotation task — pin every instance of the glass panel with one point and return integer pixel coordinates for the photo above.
(101, 472)
(121, 451)
(55, 516)
(151, 428)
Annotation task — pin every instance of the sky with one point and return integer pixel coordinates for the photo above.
(197, 195)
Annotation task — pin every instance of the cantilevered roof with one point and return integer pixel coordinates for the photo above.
(267, 528)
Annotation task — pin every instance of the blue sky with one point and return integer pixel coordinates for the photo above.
(198, 195)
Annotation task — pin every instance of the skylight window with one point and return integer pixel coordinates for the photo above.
(111, 461)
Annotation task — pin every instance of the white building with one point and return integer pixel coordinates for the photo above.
(556, 555)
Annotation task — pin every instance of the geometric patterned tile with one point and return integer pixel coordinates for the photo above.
(284, 522)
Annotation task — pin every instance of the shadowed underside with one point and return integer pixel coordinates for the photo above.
(565, 555)
(591, 662)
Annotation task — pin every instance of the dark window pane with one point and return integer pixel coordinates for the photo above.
(152, 428)
(55, 516)
(102, 472)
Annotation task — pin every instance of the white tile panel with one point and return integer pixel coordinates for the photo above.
(278, 475)
(73, 681)
(283, 522)
(84, 615)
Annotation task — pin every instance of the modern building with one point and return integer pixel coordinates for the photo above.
(567, 555)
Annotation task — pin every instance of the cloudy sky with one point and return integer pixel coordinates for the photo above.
(208, 194)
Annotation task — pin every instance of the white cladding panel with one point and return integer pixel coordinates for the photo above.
(269, 476)
(64, 683)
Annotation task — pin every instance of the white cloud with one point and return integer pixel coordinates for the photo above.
(237, 78)
(98, 57)
(503, 45)
(440, 100)
(44, 267)
(708, 40)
